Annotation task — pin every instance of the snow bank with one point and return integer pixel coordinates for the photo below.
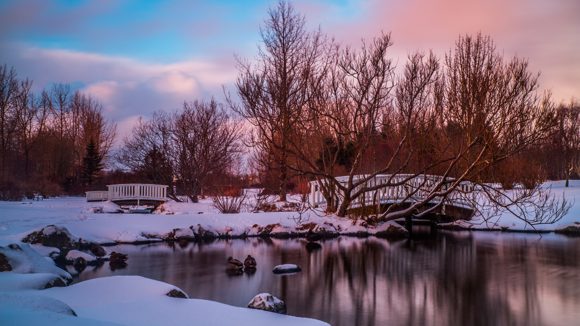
(11, 282)
(135, 300)
(23, 259)
(30, 309)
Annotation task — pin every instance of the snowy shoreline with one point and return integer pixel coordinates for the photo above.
(97, 222)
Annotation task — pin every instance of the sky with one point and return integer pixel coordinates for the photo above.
(137, 57)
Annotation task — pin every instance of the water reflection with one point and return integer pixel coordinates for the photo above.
(437, 278)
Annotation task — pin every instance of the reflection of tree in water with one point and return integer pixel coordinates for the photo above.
(447, 279)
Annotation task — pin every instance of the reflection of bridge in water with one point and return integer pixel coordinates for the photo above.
(131, 194)
(413, 190)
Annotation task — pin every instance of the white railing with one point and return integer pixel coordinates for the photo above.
(138, 192)
(97, 195)
(418, 186)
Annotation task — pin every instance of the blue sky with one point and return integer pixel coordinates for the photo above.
(136, 57)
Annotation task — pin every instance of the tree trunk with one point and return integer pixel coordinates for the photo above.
(283, 176)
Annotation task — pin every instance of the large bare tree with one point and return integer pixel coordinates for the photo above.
(274, 90)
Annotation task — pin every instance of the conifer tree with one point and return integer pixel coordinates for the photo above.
(91, 163)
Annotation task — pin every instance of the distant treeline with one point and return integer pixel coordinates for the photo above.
(51, 143)
(313, 110)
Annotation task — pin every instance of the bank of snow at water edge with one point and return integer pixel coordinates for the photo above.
(127, 300)
(508, 221)
(18, 219)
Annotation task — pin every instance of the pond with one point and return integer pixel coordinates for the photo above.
(436, 278)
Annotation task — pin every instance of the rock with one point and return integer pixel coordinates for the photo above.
(283, 232)
(55, 282)
(184, 234)
(74, 254)
(268, 302)
(179, 234)
(53, 236)
(4, 263)
(20, 258)
(391, 229)
(286, 268)
(176, 293)
(261, 231)
(201, 233)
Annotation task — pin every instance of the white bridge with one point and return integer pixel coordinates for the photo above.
(136, 193)
(413, 190)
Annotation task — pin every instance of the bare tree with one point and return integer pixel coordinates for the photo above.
(568, 137)
(8, 90)
(347, 107)
(147, 150)
(31, 116)
(205, 144)
(274, 91)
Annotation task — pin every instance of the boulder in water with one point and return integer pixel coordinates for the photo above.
(268, 302)
(391, 229)
(286, 269)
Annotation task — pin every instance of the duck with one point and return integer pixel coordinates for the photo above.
(250, 262)
(80, 264)
(98, 251)
(234, 264)
(312, 236)
(117, 257)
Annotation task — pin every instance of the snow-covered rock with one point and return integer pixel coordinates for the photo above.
(283, 231)
(20, 258)
(74, 254)
(261, 231)
(46, 251)
(204, 233)
(53, 236)
(286, 268)
(183, 234)
(391, 229)
(268, 302)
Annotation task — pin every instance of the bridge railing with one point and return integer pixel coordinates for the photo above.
(97, 195)
(420, 185)
(137, 191)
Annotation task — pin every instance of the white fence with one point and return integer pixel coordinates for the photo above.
(97, 195)
(418, 186)
(135, 191)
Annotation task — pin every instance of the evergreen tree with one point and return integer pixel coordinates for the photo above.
(91, 163)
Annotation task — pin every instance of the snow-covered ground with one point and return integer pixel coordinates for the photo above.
(512, 223)
(18, 219)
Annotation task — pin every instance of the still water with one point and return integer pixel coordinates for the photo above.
(439, 278)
